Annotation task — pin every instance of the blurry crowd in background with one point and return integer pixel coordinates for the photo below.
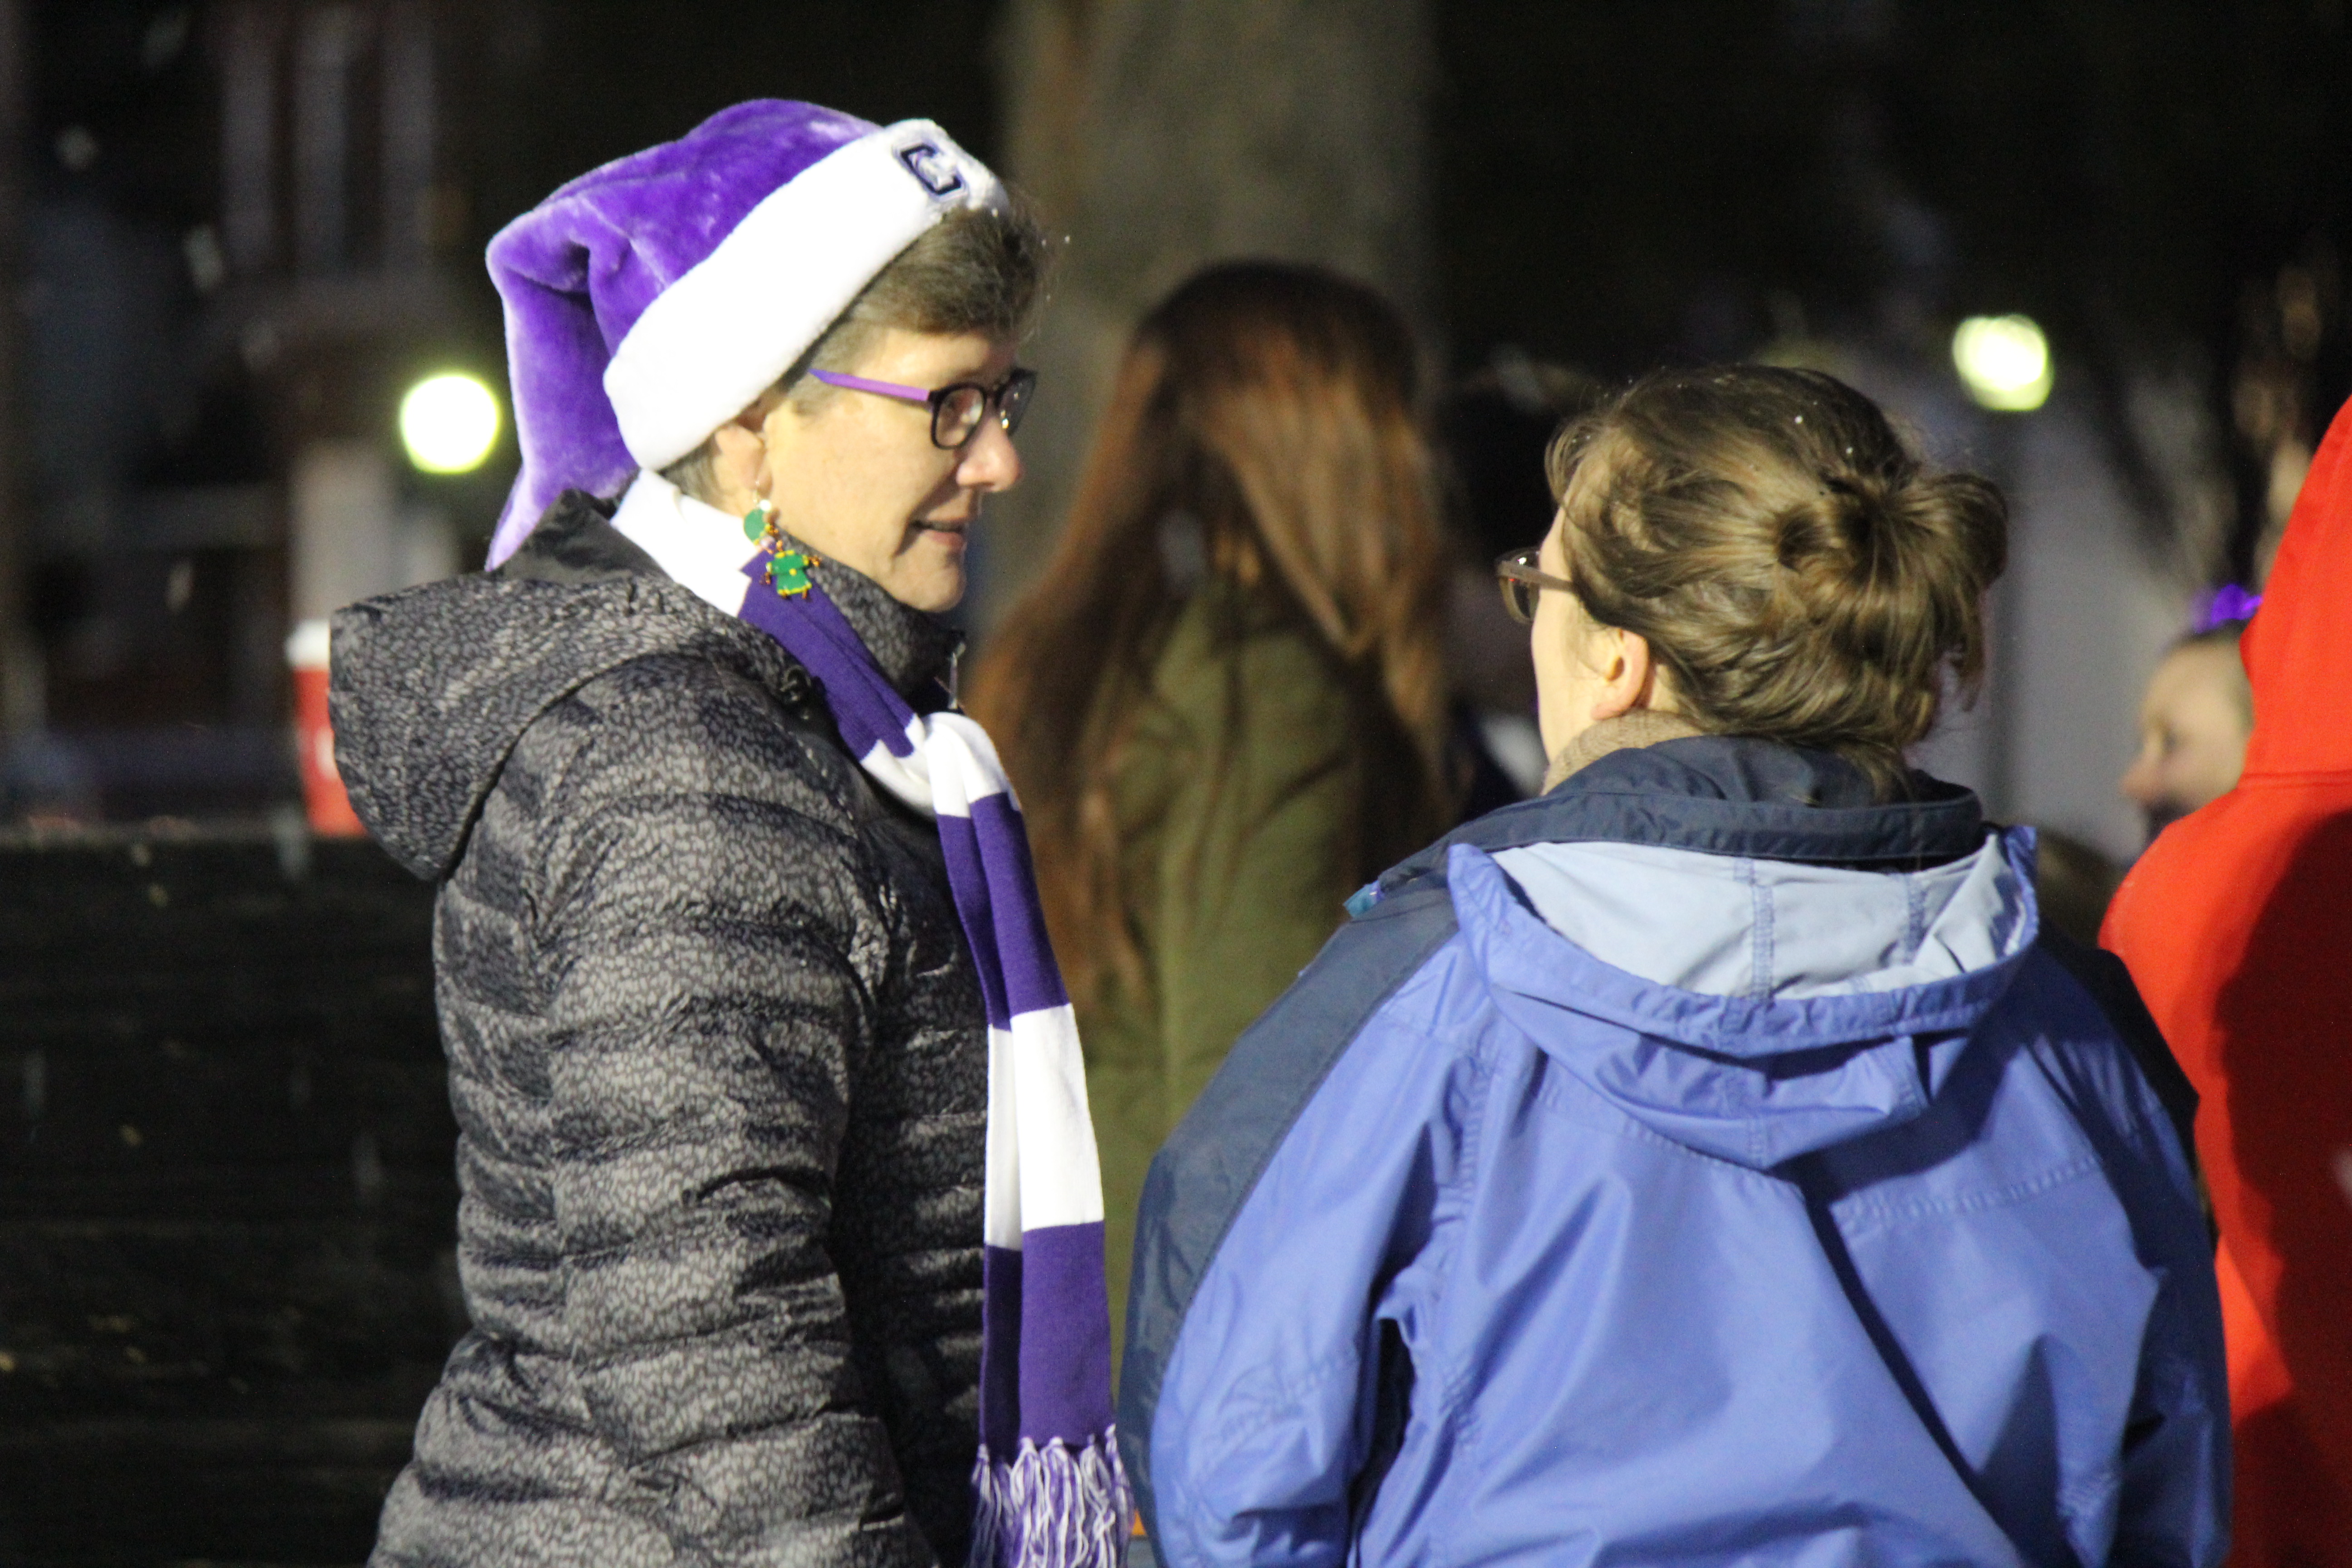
(2089, 248)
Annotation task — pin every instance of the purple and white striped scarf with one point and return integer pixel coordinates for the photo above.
(1051, 1493)
(1050, 1490)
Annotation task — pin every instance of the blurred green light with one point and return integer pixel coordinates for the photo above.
(449, 422)
(2004, 361)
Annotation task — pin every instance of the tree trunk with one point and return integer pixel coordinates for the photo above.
(21, 683)
(1161, 135)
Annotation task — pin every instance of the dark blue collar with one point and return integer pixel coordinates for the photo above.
(1727, 795)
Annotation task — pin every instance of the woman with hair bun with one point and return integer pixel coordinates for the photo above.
(1712, 1160)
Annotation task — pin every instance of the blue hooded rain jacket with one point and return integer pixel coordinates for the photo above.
(1700, 1164)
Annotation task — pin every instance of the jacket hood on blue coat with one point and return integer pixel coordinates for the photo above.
(1708, 1160)
(1852, 992)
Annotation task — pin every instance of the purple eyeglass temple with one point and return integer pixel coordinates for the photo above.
(859, 383)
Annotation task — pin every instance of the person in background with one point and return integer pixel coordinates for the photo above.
(1493, 428)
(1223, 703)
(1711, 1160)
(2194, 723)
(731, 902)
(2237, 924)
(2074, 880)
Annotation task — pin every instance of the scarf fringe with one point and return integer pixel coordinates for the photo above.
(1052, 1507)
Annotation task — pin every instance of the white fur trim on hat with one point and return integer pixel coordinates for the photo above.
(733, 322)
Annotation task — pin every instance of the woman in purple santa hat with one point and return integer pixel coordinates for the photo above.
(739, 967)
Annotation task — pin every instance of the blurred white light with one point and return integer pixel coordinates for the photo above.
(2005, 361)
(449, 422)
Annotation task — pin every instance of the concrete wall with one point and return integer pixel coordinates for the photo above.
(2090, 608)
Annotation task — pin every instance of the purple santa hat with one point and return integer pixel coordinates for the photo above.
(648, 301)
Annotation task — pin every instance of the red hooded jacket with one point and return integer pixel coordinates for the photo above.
(2237, 925)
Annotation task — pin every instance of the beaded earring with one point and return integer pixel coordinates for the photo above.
(787, 571)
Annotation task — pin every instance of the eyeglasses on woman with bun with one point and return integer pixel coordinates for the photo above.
(1521, 581)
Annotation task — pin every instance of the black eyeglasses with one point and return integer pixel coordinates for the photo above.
(1521, 581)
(957, 408)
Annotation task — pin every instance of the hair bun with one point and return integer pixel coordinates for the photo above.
(1797, 571)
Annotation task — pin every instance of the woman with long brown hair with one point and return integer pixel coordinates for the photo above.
(1223, 703)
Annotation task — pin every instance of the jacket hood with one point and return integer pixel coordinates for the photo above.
(432, 688)
(1724, 795)
(2298, 649)
(1778, 1009)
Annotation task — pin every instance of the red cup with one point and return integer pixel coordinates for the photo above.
(323, 797)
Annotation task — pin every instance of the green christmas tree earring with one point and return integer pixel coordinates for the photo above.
(787, 569)
(787, 573)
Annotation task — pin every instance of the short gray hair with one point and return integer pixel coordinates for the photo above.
(978, 270)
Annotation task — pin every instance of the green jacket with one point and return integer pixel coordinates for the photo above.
(1232, 876)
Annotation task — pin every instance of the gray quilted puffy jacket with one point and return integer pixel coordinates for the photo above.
(719, 1067)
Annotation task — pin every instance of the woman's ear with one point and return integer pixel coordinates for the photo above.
(1626, 672)
(739, 458)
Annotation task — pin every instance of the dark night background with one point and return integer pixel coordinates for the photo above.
(226, 1198)
(2136, 176)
